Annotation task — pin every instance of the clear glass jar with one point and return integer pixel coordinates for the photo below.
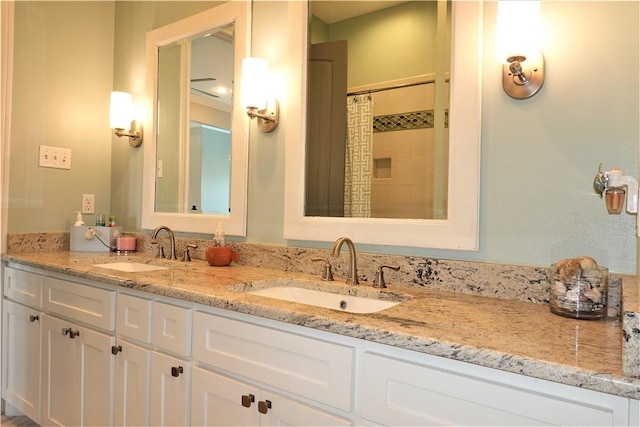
(583, 296)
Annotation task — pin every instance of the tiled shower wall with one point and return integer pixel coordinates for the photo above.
(403, 152)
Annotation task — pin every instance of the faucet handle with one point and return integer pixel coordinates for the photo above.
(186, 256)
(328, 274)
(159, 250)
(378, 282)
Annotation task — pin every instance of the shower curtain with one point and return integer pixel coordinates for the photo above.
(358, 156)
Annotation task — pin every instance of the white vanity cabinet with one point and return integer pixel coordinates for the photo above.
(316, 373)
(77, 364)
(152, 362)
(432, 391)
(21, 321)
(79, 353)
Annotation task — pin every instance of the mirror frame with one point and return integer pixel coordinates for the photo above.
(460, 229)
(234, 223)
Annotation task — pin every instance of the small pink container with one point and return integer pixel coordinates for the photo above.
(126, 244)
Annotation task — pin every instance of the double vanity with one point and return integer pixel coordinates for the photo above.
(169, 342)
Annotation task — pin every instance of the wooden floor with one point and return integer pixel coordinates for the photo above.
(17, 422)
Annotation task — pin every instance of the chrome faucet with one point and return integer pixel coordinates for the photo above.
(352, 277)
(172, 240)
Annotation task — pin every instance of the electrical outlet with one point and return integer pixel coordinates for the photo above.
(88, 203)
(54, 157)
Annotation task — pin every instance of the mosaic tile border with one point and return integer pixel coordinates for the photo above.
(404, 121)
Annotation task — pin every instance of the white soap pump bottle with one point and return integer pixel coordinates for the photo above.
(79, 221)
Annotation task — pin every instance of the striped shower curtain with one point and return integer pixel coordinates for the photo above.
(358, 156)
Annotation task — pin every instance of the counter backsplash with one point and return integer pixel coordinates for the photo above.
(522, 283)
(477, 278)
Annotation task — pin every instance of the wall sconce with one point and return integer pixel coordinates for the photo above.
(253, 94)
(518, 47)
(121, 118)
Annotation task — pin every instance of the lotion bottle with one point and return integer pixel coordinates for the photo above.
(218, 235)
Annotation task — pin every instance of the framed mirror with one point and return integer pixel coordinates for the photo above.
(449, 218)
(196, 154)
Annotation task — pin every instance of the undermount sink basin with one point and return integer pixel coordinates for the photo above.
(349, 303)
(131, 267)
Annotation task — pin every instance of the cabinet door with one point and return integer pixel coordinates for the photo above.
(277, 410)
(94, 376)
(59, 398)
(132, 385)
(170, 382)
(21, 359)
(77, 374)
(217, 400)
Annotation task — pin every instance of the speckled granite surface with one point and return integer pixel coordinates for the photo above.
(510, 335)
(520, 283)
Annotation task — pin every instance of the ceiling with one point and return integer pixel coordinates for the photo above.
(334, 11)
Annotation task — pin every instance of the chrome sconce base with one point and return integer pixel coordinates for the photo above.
(523, 77)
(135, 134)
(268, 118)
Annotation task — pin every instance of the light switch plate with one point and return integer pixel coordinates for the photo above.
(54, 157)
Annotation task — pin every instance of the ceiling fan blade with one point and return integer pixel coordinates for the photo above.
(205, 92)
(204, 79)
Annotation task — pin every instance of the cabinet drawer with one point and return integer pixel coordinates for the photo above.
(133, 318)
(23, 286)
(93, 306)
(404, 393)
(171, 328)
(315, 369)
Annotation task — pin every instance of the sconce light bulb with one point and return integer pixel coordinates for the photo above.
(254, 83)
(120, 110)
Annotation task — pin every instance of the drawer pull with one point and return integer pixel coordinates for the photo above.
(33, 318)
(115, 349)
(72, 334)
(264, 406)
(176, 371)
(247, 400)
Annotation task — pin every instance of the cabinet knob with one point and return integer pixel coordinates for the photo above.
(247, 400)
(72, 334)
(264, 406)
(33, 318)
(115, 349)
(176, 371)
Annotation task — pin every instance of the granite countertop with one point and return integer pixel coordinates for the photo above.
(513, 336)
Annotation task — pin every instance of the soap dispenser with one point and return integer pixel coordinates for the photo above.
(79, 221)
(218, 235)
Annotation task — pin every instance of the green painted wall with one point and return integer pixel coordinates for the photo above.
(389, 44)
(61, 88)
(539, 156)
